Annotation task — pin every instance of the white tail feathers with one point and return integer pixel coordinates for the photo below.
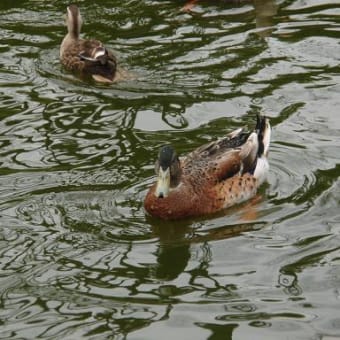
(266, 137)
(262, 165)
(261, 169)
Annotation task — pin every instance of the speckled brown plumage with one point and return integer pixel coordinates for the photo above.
(213, 177)
(86, 57)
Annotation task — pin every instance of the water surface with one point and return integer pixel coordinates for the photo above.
(79, 256)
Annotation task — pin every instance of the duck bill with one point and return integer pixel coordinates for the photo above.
(163, 183)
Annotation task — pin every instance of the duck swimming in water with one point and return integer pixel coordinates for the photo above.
(213, 177)
(86, 57)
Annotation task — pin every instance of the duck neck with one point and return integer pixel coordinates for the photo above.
(74, 22)
(74, 30)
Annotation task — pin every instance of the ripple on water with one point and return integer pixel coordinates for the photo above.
(79, 256)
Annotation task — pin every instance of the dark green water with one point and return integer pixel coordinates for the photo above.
(80, 258)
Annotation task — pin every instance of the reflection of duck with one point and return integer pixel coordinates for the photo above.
(215, 176)
(265, 10)
(88, 57)
(191, 3)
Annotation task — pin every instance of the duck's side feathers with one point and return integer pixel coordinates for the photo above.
(236, 189)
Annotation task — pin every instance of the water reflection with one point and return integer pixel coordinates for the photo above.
(265, 10)
(175, 243)
(79, 256)
(219, 331)
(290, 284)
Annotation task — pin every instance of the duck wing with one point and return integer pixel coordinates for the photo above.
(216, 161)
(98, 60)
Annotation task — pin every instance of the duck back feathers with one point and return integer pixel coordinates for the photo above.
(87, 57)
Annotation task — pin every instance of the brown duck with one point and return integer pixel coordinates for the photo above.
(86, 57)
(215, 176)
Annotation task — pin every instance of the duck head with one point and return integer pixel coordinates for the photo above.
(168, 170)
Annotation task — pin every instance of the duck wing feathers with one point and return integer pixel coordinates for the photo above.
(216, 161)
(90, 57)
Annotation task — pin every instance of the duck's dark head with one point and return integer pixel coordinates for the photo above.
(168, 169)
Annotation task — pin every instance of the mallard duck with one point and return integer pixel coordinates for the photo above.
(87, 57)
(215, 176)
